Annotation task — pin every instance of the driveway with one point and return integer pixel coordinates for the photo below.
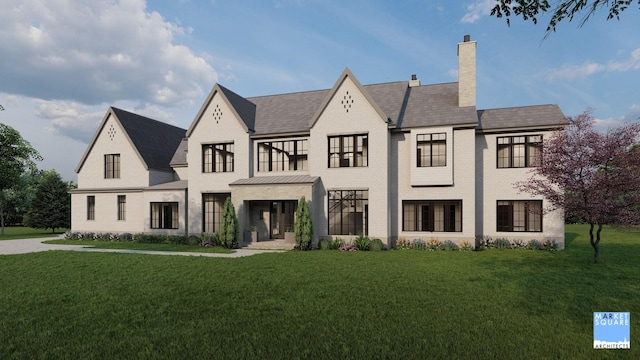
(24, 246)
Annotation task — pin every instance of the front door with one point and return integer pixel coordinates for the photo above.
(282, 217)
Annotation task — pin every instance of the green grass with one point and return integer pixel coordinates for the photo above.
(23, 232)
(494, 304)
(129, 245)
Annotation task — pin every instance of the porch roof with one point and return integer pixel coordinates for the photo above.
(277, 180)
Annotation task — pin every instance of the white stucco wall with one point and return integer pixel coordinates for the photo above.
(106, 212)
(361, 118)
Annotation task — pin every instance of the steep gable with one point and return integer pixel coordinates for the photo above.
(242, 109)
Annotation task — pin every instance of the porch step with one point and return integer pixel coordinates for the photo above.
(269, 245)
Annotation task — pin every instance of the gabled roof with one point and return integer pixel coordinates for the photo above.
(436, 105)
(522, 117)
(242, 109)
(180, 156)
(155, 142)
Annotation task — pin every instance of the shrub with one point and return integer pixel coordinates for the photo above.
(325, 244)
(403, 244)
(207, 243)
(303, 227)
(518, 244)
(193, 240)
(485, 242)
(502, 243)
(336, 243)
(348, 247)
(229, 228)
(534, 244)
(551, 245)
(362, 242)
(433, 244)
(449, 245)
(376, 245)
(418, 244)
(466, 246)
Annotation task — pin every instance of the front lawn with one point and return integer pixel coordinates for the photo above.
(23, 232)
(404, 304)
(130, 245)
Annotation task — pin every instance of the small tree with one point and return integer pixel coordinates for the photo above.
(51, 206)
(303, 227)
(591, 175)
(229, 228)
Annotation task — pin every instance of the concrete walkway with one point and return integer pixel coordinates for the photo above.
(24, 246)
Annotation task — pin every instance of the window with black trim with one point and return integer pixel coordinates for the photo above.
(122, 207)
(348, 212)
(431, 149)
(287, 155)
(217, 157)
(112, 166)
(519, 215)
(428, 215)
(164, 215)
(91, 207)
(212, 205)
(519, 151)
(348, 151)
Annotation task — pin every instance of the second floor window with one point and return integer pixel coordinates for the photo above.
(217, 158)
(112, 166)
(431, 150)
(348, 151)
(519, 151)
(290, 155)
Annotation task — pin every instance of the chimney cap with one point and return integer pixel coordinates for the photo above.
(467, 38)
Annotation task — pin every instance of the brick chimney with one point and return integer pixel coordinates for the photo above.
(467, 72)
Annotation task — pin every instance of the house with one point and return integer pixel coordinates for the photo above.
(392, 160)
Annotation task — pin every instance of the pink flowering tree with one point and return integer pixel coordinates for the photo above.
(592, 176)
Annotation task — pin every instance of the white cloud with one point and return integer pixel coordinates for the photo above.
(606, 124)
(590, 67)
(98, 51)
(477, 10)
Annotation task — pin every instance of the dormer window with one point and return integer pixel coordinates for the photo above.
(112, 166)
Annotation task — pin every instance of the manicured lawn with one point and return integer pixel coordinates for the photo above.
(22, 232)
(495, 304)
(141, 246)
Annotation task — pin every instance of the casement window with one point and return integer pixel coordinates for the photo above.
(164, 215)
(122, 207)
(348, 212)
(212, 205)
(217, 158)
(519, 215)
(112, 166)
(519, 151)
(91, 207)
(431, 150)
(348, 151)
(290, 155)
(437, 215)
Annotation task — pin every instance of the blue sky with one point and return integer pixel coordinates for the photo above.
(65, 62)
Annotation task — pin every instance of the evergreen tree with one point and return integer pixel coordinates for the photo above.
(51, 206)
(303, 227)
(229, 228)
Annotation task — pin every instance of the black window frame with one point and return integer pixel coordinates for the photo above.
(346, 147)
(209, 215)
(429, 140)
(122, 207)
(290, 155)
(210, 163)
(164, 217)
(341, 200)
(112, 166)
(510, 143)
(91, 207)
(424, 216)
(505, 215)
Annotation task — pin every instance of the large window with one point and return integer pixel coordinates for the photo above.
(212, 205)
(432, 150)
(348, 151)
(122, 207)
(520, 215)
(91, 207)
(112, 166)
(217, 158)
(164, 215)
(290, 155)
(348, 212)
(519, 151)
(424, 215)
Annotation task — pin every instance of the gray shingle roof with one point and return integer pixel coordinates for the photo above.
(180, 156)
(155, 141)
(521, 117)
(286, 113)
(435, 105)
(244, 107)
